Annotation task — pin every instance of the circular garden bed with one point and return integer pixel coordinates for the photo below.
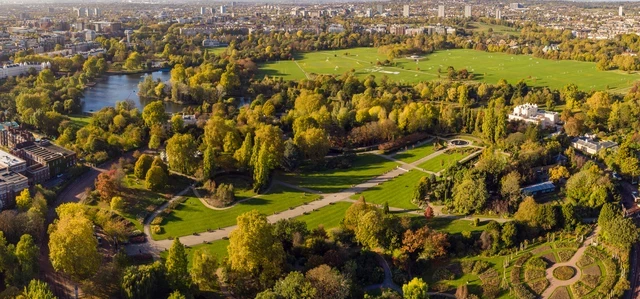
(564, 272)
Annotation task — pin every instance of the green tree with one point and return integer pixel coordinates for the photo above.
(295, 285)
(145, 281)
(177, 295)
(181, 149)
(154, 141)
(292, 156)
(313, 142)
(27, 253)
(38, 290)
(203, 270)
(253, 247)
(177, 266)
(72, 247)
(469, 195)
(177, 123)
(142, 166)
(134, 61)
(508, 233)
(415, 289)
(154, 114)
(243, 154)
(156, 178)
(208, 163)
(23, 201)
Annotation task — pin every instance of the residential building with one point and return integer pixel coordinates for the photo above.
(43, 152)
(441, 11)
(620, 11)
(212, 43)
(379, 8)
(531, 114)
(515, 6)
(405, 11)
(467, 11)
(588, 145)
(11, 184)
(17, 69)
(498, 14)
(12, 163)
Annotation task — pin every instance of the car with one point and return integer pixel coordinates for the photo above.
(635, 195)
(616, 176)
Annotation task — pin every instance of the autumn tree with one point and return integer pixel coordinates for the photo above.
(314, 143)
(328, 282)
(203, 270)
(108, 184)
(23, 201)
(72, 247)
(181, 149)
(415, 289)
(154, 114)
(142, 166)
(558, 173)
(253, 248)
(176, 264)
(156, 178)
(38, 290)
(469, 195)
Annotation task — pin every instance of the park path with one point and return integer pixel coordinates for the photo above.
(555, 283)
(387, 283)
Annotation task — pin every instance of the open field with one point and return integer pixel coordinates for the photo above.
(79, 120)
(193, 217)
(443, 160)
(364, 167)
(329, 216)
(487, 67)
(397, 192)
(216, 51)
(416, 153)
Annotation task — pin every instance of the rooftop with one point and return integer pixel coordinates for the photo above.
(9, 159)
(545, 186)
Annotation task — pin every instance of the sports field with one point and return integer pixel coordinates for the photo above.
(487, 67)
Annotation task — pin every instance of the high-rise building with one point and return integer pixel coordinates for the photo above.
(515, 5)
(405, 11)
(379, 8)
(498, 14)
(223, 9)
(369, 13)
(202, 10)
(620, 11)
(52, 10)
(440, 11)
(467, 11)
(96, 12)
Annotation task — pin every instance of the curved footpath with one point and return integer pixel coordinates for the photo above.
(156, 246)
(555, 283)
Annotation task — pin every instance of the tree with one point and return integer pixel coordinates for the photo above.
(181, 149)
(134, 61)
(23, 201)
(536, 215)
(425, 243)
(510, 186)
(156, 178)
(108, 184)
(27, 253)
(292, 156)
(313, 142)
(508, 233)
(142, 166)
(154, 114)
(145, 281)
(177, 295)
(208, 163)
(73, 248)
(243, 154)
(415, 289)
(253, 248)
(261, 170)
(557, 173)
(177, 123)
(203, 270)
(295, 285)
(177, 266)
(328, 282)
(154, 141)
(38, 290)
(469, 195)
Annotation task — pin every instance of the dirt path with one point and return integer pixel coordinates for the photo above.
(555, 283)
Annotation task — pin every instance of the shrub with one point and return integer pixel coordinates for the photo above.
(536, 263)
(480, 266)
(443, 274)
(565, 255)
(533, 274)
(579, 289)
(523, 292)
(564, 272)
(539, 286)
(522, 259)
(560, 293)
(585, 260)
(157, 221)
(490, 291)
(590, 280)
(156, 229)
(224, 193)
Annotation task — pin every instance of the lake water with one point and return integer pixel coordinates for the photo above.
(111, 89)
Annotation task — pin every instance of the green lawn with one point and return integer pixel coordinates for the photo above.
(193, 217)
(364, 167)
(215, 248)
(455, 226)
(416, 153)
(442, 161)
(216, 51)
(79, 120)
(397, 192)
(242, 188)
(329, 216)
(487, 67)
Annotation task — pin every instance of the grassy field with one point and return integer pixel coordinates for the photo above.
(79, 120)
(397, 192)
(487, 67)
(416, 153)
(363, 168)
(216, 51)
(443, 161)
(215, 248)
(193, 217)
(329, 216)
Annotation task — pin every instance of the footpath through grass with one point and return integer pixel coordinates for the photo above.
(193, 217)
(397, 192)
(364, 167)
(416, 153)
(487, 67)
(329, 216)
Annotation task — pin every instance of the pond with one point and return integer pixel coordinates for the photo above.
(115, 88)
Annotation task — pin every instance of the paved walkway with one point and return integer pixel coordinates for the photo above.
(555, 283)
(387, 283)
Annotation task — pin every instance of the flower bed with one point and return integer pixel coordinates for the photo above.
(564, 273)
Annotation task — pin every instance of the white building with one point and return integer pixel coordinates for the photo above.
(212, 43)
(405, 11)
(13, 70)
(590, 146)
(531, 114)
(467, 11)
(498, 14)
(12, 162)
(223, 9)
(440, 11)
(335, 28)
(620, 11)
